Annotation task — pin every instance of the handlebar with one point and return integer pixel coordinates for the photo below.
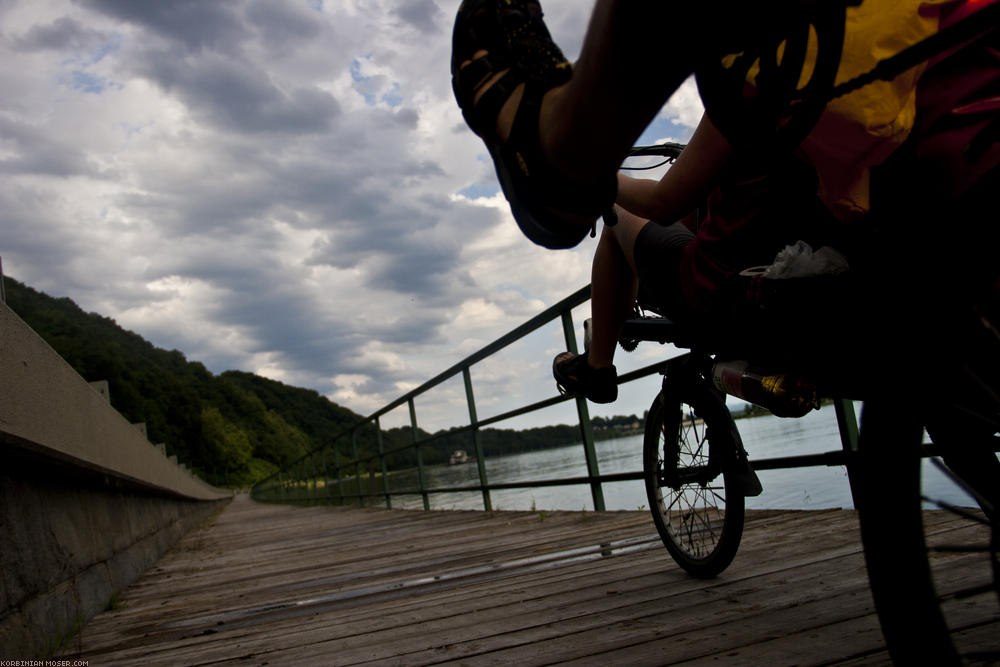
(667, 149)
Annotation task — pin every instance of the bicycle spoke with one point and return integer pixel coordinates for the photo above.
(688, 499)
(934, 582)
(707, 524)
(983, 502)
(676, 499)
(954, 509)
(960, 548)
(974, 591)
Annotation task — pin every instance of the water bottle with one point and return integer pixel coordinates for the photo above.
(783, 394)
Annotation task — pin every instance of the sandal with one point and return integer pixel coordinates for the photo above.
(519, 44)
(574, 376)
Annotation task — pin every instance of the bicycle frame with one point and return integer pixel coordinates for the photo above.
(913, 624)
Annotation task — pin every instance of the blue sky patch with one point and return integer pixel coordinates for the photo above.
(364, 83)
(112, 46)
(356, 71)
(393, 98)
(476, 191)
(371, 86)
(86, 82)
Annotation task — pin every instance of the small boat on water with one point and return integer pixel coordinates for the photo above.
(458, 457)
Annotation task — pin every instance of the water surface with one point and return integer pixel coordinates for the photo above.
(764, 437)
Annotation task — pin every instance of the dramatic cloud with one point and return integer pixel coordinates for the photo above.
(286, 188)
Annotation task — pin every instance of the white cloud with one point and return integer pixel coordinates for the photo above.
(273, 187)
(684, 107)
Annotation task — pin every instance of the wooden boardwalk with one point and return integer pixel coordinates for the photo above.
(279, 585)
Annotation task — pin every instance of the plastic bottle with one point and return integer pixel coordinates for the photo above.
(783, 394)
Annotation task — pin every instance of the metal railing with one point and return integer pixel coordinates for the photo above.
(326, 475)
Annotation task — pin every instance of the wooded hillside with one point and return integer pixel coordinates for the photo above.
(234, 428)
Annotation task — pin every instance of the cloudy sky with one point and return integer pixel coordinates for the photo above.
(281, 187)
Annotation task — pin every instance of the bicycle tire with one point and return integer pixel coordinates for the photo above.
(699, 520)
(935, 589)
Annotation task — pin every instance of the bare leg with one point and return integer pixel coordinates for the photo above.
(625, 74)
(613, 287)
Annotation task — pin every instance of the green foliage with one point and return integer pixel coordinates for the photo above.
(627, 424)
(231, 430)
(229, 441)
(751, 410)
(258, 469)
(500, 442)
(237, 428)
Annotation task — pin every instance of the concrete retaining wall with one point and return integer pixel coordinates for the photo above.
(47, 407)
(86, 502)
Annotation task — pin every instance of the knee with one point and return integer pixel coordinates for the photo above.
(628, 228)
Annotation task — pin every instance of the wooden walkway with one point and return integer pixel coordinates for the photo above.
(279, 585)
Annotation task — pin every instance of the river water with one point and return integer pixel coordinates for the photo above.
(764, 437)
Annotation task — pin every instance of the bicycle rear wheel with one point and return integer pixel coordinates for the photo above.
(933, 574)
(697, 510)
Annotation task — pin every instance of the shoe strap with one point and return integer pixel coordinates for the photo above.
(524, 144)
(483, 116)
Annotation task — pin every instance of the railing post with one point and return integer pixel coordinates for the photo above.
(340, 481)
(848, 422)
(301, 475)
(318, 467)
(586, 431)
(310, 477)
(315, 477)
(420, 458)
(476, 440)
(306, 479)
(326, 475)
(281, 487)
(357, 468)
(385, 468)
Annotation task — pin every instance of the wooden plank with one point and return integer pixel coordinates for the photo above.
(800, 622)
(590, 605)
(661, 558)
(287, 585)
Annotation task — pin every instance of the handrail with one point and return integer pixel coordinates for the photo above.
(287, 483)
(299, 482)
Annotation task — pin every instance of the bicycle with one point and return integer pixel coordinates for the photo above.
(697, 472)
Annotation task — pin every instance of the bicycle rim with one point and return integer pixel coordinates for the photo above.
(961, 533)
(932, 563)
(699, 520)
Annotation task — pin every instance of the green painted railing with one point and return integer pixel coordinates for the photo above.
(326, 475)
(319, 476)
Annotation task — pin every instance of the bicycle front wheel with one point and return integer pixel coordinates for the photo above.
(697, 511)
